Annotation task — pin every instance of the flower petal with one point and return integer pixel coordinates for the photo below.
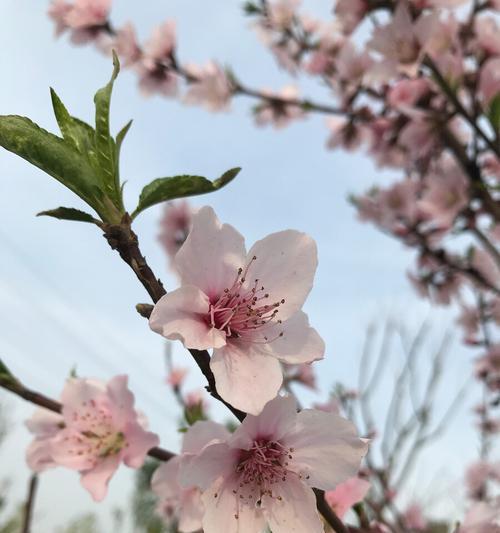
(96, 480)
(211, 254)
(38, 455)
(121, 400)
(191, 511)
(139, 442)
(226, 512)
(246, 378)
(203, 433)
(202, 470)
(299, 343)
(276, 419)
(295, 512)
(285, 265)
(164, 482)
(326, 448)
(181, 315)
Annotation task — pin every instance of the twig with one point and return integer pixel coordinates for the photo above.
(30, 504)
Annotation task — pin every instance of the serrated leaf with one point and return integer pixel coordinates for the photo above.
(105, 144)
(165, 189)
(51, 154)
(68, 213)
(494, 112)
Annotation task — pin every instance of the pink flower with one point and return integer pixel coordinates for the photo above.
(484, 263)
(263, 473)
(351, 65)
(88, 13)
(402, 42)
(44, 425)
(210, 88)
(414, 519)
(489, 80)
(482, 518)
(277, 111)
(175, 226)
(345, 495)
(445, 194)
(245, 306)
(176, 502)
(101, 430)
(155, 68)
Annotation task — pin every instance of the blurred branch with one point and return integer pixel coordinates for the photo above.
(30, 503)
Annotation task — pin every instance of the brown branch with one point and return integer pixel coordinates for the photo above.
(122, 238)
(30, 504)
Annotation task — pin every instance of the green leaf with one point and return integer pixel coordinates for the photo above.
(494, 112)
(68, 213)
(105, 144)
(76, 132)
(164, 189)
(51, 154)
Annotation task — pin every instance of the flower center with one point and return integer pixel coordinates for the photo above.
(261, 467)
(99, 438)
(242, 309)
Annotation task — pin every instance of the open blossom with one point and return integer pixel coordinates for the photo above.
(210, 87)
(402, 42)
(482, 518)
(264, 472)
(99, 430)
(345, 495)
(246, 306)
(155, 68)
(184, 503)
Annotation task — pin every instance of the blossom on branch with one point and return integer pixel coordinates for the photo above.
(99, 429)
(264, 472)
(246, 306)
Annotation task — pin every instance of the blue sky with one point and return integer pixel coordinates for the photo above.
(68, 300)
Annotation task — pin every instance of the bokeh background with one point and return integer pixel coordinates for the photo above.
(67, 301)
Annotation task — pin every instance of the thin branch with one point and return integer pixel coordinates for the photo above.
(122, 239)
(30, 504)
